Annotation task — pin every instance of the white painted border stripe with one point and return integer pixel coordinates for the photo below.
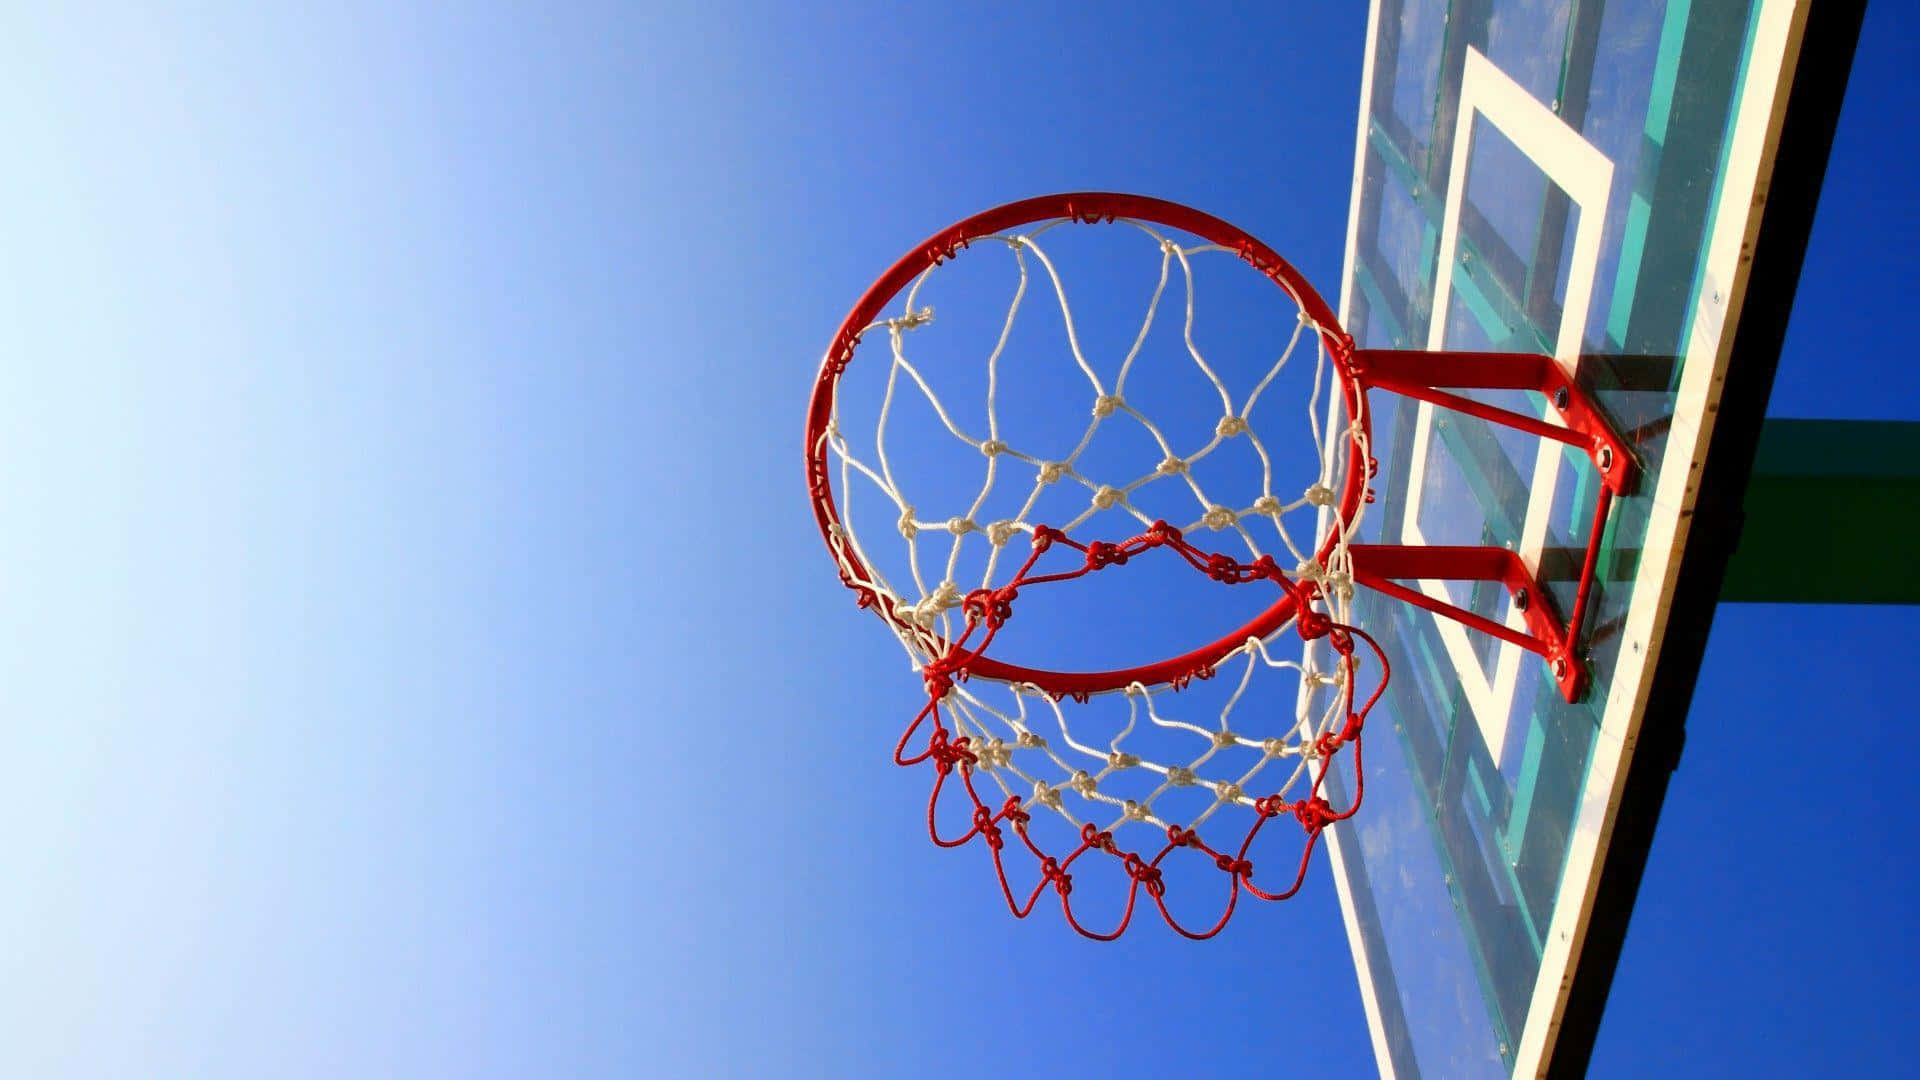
(1586, 175)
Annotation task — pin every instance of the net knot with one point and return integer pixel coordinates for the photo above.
(960, 526)
(1061, 880)
(1228, 792)
(1146, 874)
(1219, 517)
(1224, 738)
(993, 607)
(1180, 776)
(1045, 794)
(1133, 811)
(1106, 497)
(938, 677)
(945, 598)
(1084, 783)
(1105, 404)
(948, 753)
(1093, 837)
(922, 614)
(908, 528)
(1121, 760)
(1268, 505)
(1314, 813)
(912, 320)
(984, 824)
(1273, 747)
(993, 447)
(1230, 426)
(1172, 466)
(1320, 495)
(1052, 471)
(992, 754)
(1000, 532)
(1237, 867)
(1101, 553)
(1027, 740)
(1044, 536)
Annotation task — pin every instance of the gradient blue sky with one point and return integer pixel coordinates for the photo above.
(416, 657)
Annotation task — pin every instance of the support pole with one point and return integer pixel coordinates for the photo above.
(1832, 515)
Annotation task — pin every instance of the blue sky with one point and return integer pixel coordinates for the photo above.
(418, 658)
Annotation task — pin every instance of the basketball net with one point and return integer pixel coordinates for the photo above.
(1005, 744)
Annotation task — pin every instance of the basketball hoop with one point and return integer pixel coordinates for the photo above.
(949, 631)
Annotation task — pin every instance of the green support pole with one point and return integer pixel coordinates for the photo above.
(1832, 515)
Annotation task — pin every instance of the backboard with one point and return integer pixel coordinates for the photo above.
(1626, 186)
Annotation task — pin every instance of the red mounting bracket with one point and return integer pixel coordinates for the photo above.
(1429, 376)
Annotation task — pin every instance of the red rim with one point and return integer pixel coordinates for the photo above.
(1087, 207)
